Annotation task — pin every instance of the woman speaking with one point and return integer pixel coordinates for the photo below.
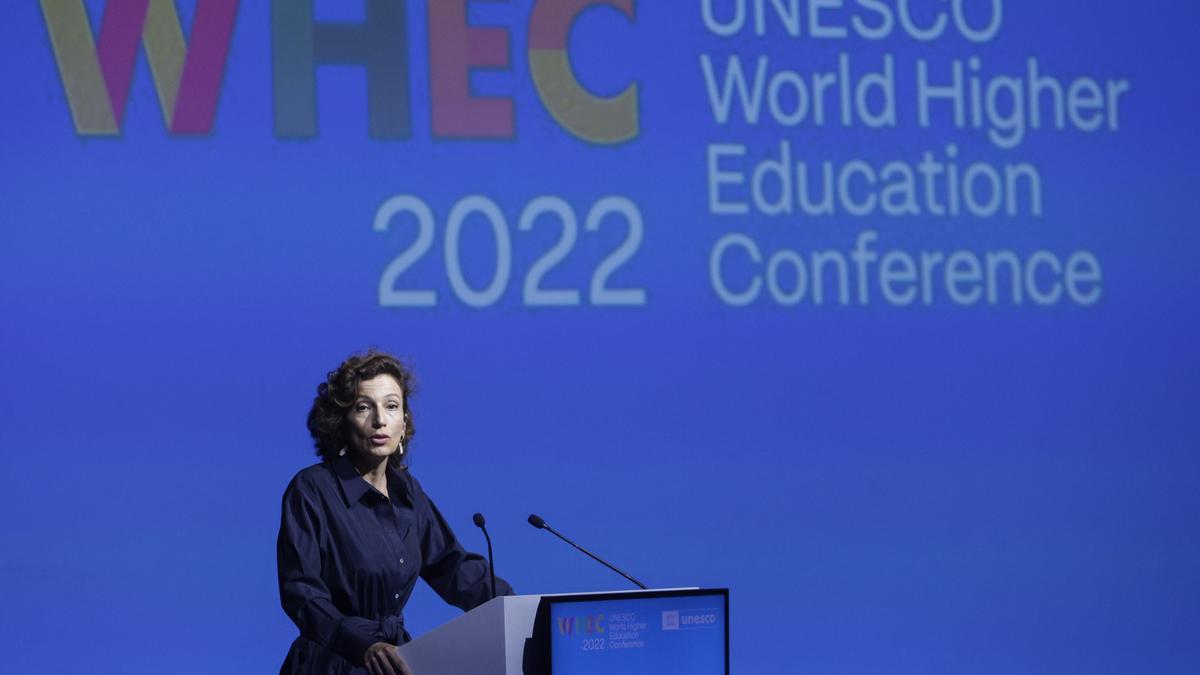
(357, 529)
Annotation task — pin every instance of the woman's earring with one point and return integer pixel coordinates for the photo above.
(342, 452)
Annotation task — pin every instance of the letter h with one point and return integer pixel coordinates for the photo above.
(299, 44)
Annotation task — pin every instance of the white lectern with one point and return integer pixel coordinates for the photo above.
(488, 640)
(498, 637)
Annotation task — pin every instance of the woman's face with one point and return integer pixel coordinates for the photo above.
(375, 424)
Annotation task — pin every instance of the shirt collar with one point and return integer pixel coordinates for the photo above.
(354, 486)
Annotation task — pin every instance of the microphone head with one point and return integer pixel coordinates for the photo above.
(536, 521)
(478, 518)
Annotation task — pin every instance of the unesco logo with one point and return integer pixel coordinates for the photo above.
(670, 620)
(695, 618)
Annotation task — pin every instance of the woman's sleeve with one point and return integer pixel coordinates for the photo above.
(303, 593)
(459, 577)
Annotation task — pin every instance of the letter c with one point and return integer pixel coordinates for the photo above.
(595, 119)
(918, 33)
(714, 270)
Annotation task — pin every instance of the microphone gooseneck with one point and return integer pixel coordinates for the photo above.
(481, 524)
(537, 521)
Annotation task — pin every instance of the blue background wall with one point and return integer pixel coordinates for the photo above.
(924, 489)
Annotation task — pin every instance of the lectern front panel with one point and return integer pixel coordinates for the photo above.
(659, 632)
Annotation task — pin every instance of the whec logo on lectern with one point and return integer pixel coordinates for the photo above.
(587, 624)
(97, 71)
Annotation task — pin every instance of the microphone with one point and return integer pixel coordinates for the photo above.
(479, 522)
(536, 521)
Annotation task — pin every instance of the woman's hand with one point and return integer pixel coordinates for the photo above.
(383, 659)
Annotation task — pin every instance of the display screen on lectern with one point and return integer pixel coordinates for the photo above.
(657, 632)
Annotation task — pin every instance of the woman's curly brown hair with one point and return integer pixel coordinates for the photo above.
(336, 395)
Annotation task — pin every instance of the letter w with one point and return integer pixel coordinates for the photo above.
(721, 99)
(97, 75)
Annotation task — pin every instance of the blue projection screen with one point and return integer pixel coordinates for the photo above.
(881, 314)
